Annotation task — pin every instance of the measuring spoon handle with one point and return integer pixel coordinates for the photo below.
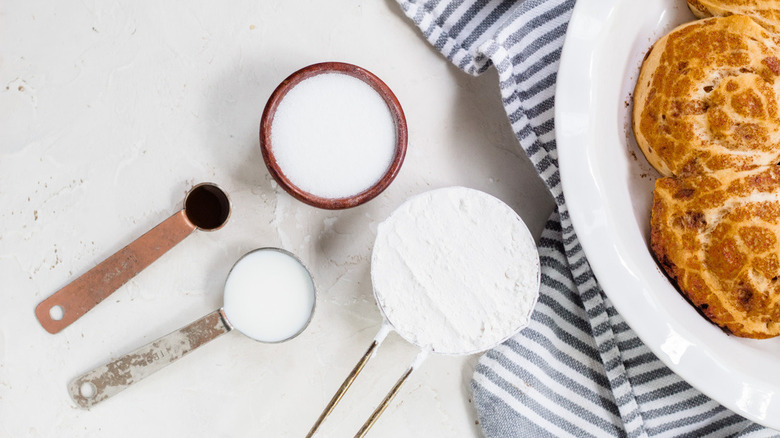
(107, 380)
(85, 292)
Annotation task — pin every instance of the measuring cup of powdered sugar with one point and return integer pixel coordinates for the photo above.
(206, 207)
(455, 271)
(269, 296)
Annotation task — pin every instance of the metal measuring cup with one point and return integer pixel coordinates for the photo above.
(107, 380)
(206, 207)
(404, 327)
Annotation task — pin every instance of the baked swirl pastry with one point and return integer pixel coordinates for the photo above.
(707, 98)
(717, 236)
(764, 12)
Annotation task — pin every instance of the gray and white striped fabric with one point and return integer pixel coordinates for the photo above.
(578, 369)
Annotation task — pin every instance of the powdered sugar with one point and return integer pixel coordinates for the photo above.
(455, 270)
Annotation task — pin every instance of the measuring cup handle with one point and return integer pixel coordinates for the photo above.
(343, 388)
(378, 339)
(390, 395)
(107, 380)
(85, 292)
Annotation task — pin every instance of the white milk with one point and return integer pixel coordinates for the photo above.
(269, 296)
(333, 136)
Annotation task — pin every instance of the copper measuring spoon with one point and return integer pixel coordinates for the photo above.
(206, 207)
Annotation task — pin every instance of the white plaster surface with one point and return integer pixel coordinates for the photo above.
(111, 110)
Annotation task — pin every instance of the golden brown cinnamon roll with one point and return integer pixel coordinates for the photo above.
(707, 98)
(717, 236)
(766, 13)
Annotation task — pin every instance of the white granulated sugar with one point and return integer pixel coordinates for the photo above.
(333, 136)
(455, 270)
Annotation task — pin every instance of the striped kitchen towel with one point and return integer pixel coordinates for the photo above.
(578, 369)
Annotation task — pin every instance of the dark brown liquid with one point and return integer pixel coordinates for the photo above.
(207, 207)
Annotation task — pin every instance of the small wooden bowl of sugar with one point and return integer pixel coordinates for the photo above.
(333, 135)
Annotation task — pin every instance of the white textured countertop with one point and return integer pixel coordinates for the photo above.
(110, 111)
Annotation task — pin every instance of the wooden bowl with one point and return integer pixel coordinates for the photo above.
(395, 110)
